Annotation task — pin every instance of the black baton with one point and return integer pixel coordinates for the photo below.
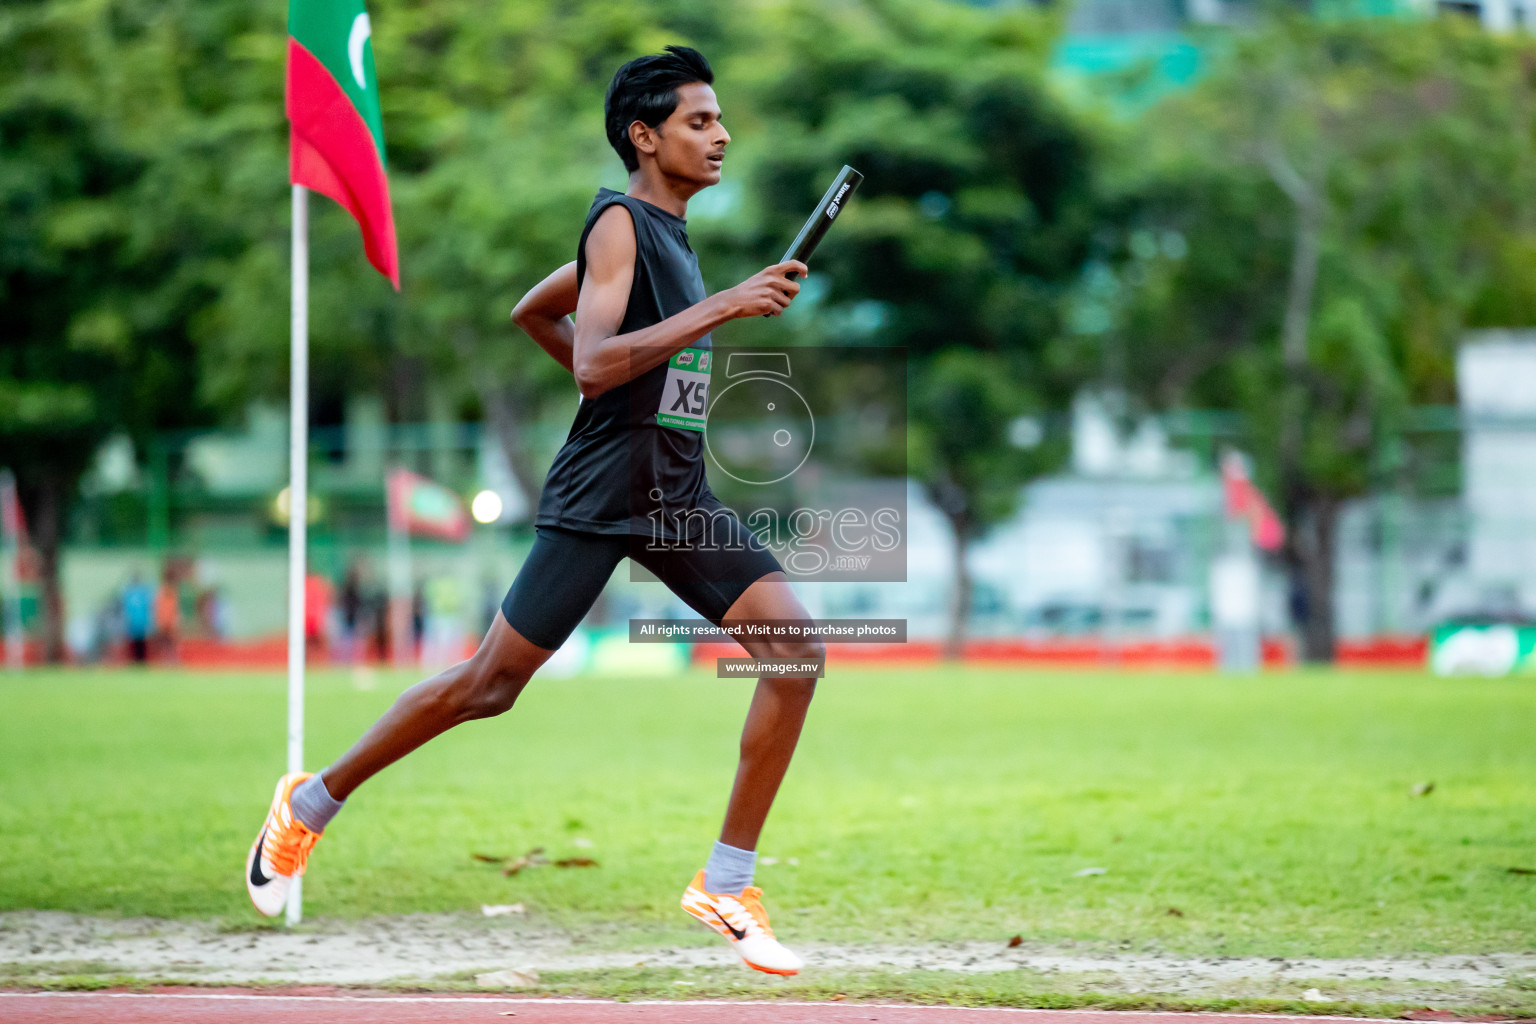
(810, 236)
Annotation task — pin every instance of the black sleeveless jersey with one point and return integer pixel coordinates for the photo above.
(635, 455)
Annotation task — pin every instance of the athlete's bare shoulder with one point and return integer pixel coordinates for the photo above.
(611, 242)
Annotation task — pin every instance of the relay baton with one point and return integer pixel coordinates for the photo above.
(810, 236)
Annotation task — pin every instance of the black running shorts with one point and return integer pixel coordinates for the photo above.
(566, 570)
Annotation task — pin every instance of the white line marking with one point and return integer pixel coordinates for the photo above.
(557, 1000)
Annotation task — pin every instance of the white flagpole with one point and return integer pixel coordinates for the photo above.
(298, 499)
(10, 569)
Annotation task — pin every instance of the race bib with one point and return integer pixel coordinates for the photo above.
(686, 393)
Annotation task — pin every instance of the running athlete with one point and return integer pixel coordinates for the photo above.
(628, 481)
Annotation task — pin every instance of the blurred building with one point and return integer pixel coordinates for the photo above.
(1117, 545)
(1496, 376)
(1132, 17)
(1163, 37)
(1496, 14)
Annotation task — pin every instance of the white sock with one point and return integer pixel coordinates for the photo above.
(313, 804)
(729, 870)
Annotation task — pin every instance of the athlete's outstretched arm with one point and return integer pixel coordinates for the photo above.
(603, 359)
(544, 313)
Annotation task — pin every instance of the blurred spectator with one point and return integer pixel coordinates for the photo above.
(212, 613)
(444, 643)
(202, 601)
(378, 614)
(491, 591)
(418, 614)
(317, 605)
(167, 614)
(1297, 604)
(80, 638)
(138, 603)
(353, 612)
(109, 630)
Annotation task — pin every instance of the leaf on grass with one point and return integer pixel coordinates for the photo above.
(532, 859)
(487, 858)
(1424, 789)
(512, 977)
(575, 862)
(1017, 940)
(839, 997)
(1522, 871)
(1175, 912)
(501, 909)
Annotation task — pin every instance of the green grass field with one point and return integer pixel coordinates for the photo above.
(1276, 813)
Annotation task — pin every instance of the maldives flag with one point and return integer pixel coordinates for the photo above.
(425, 508)
(13, 519)
(337, 146)
(1244, 500)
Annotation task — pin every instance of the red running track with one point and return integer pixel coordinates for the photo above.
(235, 1008)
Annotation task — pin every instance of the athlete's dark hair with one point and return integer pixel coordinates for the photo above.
(645, 90)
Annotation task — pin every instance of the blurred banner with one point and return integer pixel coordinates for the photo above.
(13, 534)
(1483, 649)
(424, 508)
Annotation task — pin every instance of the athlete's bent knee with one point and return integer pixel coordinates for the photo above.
(485, 691)
(798, 650)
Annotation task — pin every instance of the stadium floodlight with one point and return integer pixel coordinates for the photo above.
(486, 508)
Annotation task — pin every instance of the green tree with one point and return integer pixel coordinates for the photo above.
(494, 136)
(103, 264)
(1346, 192)
(974, 217)
(499, 119)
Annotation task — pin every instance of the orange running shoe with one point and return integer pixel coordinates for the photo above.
(743, 921)
(280, 852)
